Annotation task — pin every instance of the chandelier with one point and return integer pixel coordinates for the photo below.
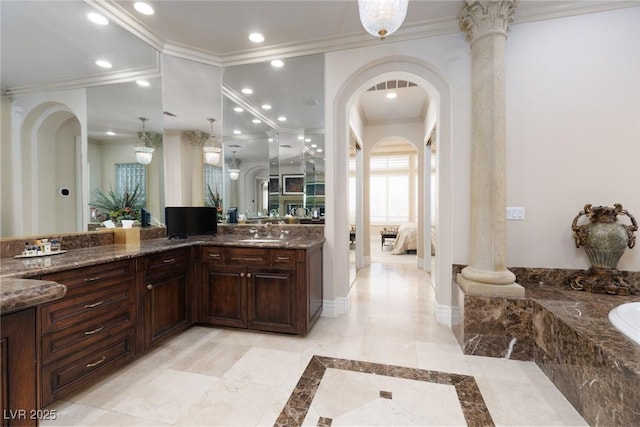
(211, 152)
(234, 170)
(146, 144)
(382, 17)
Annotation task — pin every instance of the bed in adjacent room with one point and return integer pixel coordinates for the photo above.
(407, 239)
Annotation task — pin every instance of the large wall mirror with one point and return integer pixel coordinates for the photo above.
(273, 134)
(57, 107)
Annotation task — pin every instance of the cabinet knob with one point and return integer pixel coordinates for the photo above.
(249, 275)
(241, 274)
(149, 286)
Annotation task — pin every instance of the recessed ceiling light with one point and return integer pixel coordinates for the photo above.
(319, 150)
(256, 121)
(307, 140)
(392, 95)
(314, 145)
(270, 139)
(238, 109)
(277, 63)
(143, 83)
(300, 138)
(247, 91)
(266, 107)
(104, 64)
(256, 37)
(110, 133)
(236, 132)
(143, 8)
(282, 119)
(96, 18)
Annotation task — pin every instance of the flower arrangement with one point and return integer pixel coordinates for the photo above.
(214, 199)
(119, 206)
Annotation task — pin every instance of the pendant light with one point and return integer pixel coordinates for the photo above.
(234, 171)
(211, 152)
(146, 143)
(382, 17)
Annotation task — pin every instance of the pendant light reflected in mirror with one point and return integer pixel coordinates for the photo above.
(211, 152)
(144, 150)
(234, 171)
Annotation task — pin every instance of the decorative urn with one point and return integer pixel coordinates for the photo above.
(604, 240)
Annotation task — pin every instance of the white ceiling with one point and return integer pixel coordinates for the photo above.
(51, 44)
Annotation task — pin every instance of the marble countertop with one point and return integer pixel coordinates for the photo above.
(22, 293)
(32, 267)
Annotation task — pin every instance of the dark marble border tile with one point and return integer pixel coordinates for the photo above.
(295, 410)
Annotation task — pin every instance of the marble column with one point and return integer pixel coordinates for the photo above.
(486, 24)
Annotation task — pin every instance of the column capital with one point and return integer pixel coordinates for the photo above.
(480, 18)
(196, 138)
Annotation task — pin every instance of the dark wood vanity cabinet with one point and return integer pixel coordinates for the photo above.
(18, 369)
(264, 289)
(90, 331)
(165, 295)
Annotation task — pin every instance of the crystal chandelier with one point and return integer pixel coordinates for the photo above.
(382, 17)
(146, 144)
(211, 152)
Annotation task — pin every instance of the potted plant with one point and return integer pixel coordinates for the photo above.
(118, 207)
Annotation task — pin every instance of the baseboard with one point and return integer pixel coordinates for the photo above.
(442, 313)
(336, 307)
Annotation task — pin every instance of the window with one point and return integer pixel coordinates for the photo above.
(212, 180)
(130, 175)
(393, 188)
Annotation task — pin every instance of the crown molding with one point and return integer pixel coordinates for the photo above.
(563, 9)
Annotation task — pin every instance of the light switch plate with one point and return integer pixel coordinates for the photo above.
(515, 213)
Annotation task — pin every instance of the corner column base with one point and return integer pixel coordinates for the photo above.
(471, 287)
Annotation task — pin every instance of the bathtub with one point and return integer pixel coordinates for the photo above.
(626, 318)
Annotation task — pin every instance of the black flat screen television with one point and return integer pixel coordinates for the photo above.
(183, 221)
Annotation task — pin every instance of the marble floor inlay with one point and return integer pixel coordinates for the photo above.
(469, 397)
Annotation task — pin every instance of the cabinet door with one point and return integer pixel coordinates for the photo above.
(165, 305)
(224, 295)
(18, 364)
(272, 300)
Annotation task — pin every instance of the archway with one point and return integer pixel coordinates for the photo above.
(337, 236)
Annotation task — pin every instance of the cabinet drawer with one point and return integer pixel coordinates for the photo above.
(86, 307)
(247, 256)
(282, 257)
(73, 339)
(73, 373)
(212, 254)
(166, 262)
(90, 279)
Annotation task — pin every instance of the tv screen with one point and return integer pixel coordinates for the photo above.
(183, 221)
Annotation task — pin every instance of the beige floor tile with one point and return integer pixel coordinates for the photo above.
(264, 366)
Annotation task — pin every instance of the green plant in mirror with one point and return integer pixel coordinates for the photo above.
(214, 199)
(119, 206)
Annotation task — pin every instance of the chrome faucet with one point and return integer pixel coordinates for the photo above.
(254, 231)
(283, 233)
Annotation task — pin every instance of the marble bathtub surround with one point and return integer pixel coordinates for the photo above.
(486, 24)
(294, 413)
(22, 293)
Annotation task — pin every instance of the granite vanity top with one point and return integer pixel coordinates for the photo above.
(17, 291)
(22, 293)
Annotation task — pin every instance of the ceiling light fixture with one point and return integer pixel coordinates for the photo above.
(238, 109)
(256, 37)
(391, 95)
(98, 19)
(146, 144)
(236, 132)
(104, 64)
(277, 63)
(382, 18)
(143, 8)
(256, 121)
(247, 91)
(211, 152)
(266, 107)
(234, 170)
(282, 119)
(143, 83)
(110, 133)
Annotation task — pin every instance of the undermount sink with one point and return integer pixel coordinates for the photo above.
(259, 240)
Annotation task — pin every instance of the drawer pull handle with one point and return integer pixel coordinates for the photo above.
(170, 260)
(92, 279)
(97, 362)
(149, 286)
(282, 258)
(95, 304)
(241, 274)
(248, 259)
(214, 255)
(95, 331)
(249, 275)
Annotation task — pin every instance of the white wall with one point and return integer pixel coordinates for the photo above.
(573, 131)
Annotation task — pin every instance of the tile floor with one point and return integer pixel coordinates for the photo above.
(210, 376)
